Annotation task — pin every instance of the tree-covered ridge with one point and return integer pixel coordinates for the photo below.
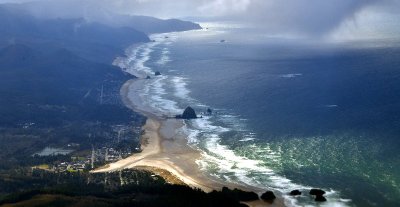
(125, 188)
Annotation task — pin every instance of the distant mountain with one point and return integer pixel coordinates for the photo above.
(69, 10)
(99, 41)
(151, 25)
(95, 41)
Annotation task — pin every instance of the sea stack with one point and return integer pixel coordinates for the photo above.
(295, 193)
(317, 192)
(189, 113)
(319, 195)
(268, 196)
(157, 73)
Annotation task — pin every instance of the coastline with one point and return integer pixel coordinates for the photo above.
(163, 148)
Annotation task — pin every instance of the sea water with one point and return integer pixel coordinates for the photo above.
(287, 114)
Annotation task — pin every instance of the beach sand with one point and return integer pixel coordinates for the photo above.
(165, 149)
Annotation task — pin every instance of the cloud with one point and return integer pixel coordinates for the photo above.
(305, 16)
(224, 7)
(309, 17)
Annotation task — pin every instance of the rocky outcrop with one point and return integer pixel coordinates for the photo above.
(295, 193)
(268, 196)
(239, 195)
(157, 73)
(319, 194)
(189, 113)
(320, 198)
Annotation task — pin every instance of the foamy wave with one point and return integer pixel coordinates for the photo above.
(152, 96)
(246, 139)
(205, 124)
(331, 106)
(158, 102)
(181, 91)
(137, 56)
(291, 75)
(139, 63)
(164, 59)
(226, 164)
(135, 63)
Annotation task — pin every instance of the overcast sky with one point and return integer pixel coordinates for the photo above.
(313, 17)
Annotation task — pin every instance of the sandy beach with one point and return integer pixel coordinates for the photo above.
(163, 147)
(166, 149)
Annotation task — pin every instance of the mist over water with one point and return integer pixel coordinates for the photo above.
(286, 115)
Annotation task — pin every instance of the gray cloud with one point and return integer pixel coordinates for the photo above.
(310, 17)
(306, 16)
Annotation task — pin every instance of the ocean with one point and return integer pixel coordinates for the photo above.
(286, 114)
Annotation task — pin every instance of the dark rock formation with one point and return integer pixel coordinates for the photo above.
(239, 195)
(295, 193)
(268, 196)
(320, 198)
(148, 77)
(209, 111)
(157, 73)
(189, 113)
(317, 192)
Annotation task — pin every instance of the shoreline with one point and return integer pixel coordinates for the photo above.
(163, 148)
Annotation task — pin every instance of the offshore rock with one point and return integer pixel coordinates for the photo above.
(317, 192)
(157, 73)
(268, 196)
(189, 113)
(295, 193)
(320, 198)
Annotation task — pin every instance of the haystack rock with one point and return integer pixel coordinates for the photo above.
(189, 113)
